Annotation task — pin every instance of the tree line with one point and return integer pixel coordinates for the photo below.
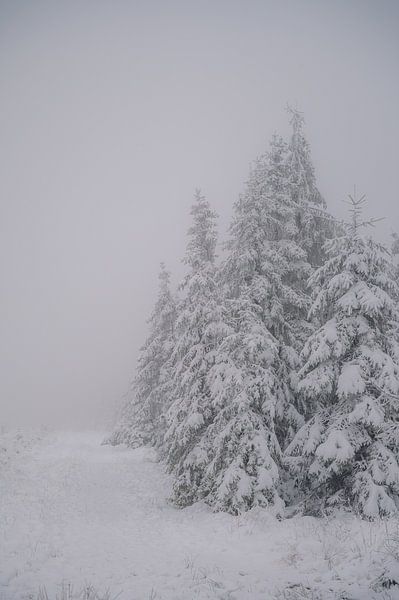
(271, 378)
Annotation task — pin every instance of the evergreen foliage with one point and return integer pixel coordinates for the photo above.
(142, 420)
(275, 377)
(314, 224)
(347, 453)
(199, 328)
(253, 379)
(395, 254)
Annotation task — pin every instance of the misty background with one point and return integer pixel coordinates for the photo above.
(111, 114)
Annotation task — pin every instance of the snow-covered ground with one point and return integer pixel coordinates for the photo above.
(76, 512)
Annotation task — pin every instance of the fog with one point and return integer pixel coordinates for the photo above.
(112, 113)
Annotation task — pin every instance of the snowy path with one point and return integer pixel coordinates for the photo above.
(75, 511)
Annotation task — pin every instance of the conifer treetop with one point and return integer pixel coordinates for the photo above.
(356, 209)
(297, 120)
(303, 178)
(202, 234)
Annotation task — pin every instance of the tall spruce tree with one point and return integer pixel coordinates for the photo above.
(142, 420)
(253, 380)
(199, 328)
(282, 267)
(347, 453)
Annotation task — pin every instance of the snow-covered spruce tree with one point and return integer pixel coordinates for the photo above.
(254, 375)
(142, 420)
(347, 454)
(199, 328)
(314, 224)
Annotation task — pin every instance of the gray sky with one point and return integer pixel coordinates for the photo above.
(111, 113)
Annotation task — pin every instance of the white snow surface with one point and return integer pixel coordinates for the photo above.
(75, 511)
